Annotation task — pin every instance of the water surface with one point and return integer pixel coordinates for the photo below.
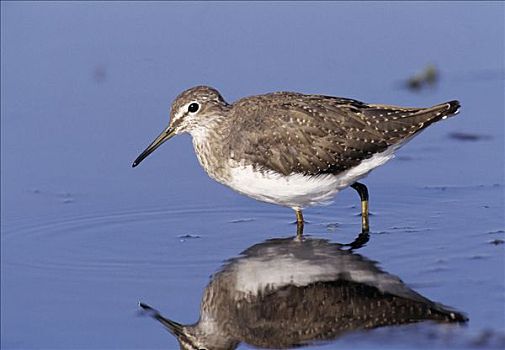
(85, 86)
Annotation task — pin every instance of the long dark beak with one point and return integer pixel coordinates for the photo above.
(164, 136)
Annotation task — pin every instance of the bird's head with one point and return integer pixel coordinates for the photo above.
(193, 110)
(200, 336)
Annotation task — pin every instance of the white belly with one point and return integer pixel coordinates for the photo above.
(296, 190)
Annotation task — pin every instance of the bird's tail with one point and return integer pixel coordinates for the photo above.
(447, 109)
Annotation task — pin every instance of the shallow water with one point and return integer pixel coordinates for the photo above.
(86, 86)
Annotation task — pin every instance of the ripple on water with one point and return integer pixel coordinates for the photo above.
(125, 244)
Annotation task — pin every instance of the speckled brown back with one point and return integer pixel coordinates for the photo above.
(314, 134)
(295, 316)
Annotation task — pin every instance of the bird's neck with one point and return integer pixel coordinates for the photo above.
(209, 142)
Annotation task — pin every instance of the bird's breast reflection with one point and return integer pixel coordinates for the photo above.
(285, 293)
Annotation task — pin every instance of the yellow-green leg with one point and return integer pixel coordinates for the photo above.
(363, 195)
(299, 223)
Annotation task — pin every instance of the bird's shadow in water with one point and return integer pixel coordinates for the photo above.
(290, 292)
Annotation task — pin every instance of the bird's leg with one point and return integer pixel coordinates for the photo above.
(363, 194)
(299, 223)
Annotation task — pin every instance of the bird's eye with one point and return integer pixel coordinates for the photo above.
(192, 108)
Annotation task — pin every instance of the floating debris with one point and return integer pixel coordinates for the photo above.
(405, 158)
(427, 78)
(183, 238)
(490, 339)
(497, 241)
(465, 136)
(189, 236)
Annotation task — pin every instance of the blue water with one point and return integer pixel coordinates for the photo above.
(86, 86)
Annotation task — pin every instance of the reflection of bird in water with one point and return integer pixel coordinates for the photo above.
(284, 293)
